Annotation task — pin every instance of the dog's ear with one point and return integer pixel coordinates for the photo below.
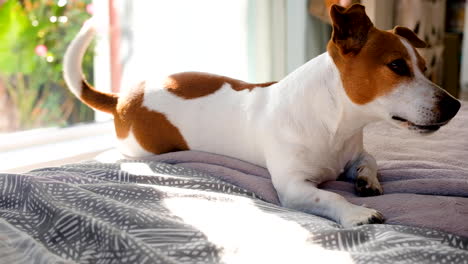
(410, 36)
(350, 27)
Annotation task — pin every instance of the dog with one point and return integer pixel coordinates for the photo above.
(305, 129)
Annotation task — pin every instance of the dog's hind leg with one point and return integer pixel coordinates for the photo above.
(363, 171)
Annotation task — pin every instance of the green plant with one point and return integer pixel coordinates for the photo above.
(33, 37)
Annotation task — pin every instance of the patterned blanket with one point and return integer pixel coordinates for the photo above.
(106, 213)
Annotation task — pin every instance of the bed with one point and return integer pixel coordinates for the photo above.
(195, 207)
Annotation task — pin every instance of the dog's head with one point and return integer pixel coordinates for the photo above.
(383, 71)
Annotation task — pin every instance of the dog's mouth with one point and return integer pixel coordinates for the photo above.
(423, 129)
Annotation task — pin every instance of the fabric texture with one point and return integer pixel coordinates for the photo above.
(105, 213)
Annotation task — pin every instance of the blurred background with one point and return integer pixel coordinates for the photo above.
(252, 40)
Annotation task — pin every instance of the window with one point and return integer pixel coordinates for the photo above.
(159, 38)
(136, 39)
(246, 39)
(33, 37)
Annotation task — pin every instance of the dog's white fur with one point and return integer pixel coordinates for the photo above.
(304, 129)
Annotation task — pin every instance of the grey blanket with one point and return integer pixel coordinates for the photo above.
(107, 213)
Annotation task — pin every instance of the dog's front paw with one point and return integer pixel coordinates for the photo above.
(367, 185)
(359, 215)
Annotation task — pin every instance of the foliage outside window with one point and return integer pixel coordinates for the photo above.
(33, 37)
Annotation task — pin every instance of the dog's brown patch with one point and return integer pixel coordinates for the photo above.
(152, 129)
(365, 75)
(102, 101)
(409, 35)
(362, 52)
(190, 85)
(350, 28)
(415, 41)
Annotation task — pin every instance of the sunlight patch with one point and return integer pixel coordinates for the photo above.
(138, 168)
(246, 234)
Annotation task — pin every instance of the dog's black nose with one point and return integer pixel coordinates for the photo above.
(448, 107)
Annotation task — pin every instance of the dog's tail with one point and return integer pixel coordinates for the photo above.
(74, 77)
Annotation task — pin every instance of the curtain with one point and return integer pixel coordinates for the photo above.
(281, 37)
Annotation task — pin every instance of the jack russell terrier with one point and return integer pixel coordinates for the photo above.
(306, 129)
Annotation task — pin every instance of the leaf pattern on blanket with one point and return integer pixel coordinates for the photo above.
(152, 212)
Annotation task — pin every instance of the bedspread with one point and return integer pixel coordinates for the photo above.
(153, 212)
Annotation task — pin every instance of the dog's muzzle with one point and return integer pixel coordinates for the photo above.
(446, 108)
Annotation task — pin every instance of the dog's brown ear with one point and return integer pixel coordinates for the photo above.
(410, 36)
(350, 27)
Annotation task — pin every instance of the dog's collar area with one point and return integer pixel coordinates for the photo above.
(419, 128)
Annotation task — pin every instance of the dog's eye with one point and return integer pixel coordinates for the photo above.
(399, 67)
